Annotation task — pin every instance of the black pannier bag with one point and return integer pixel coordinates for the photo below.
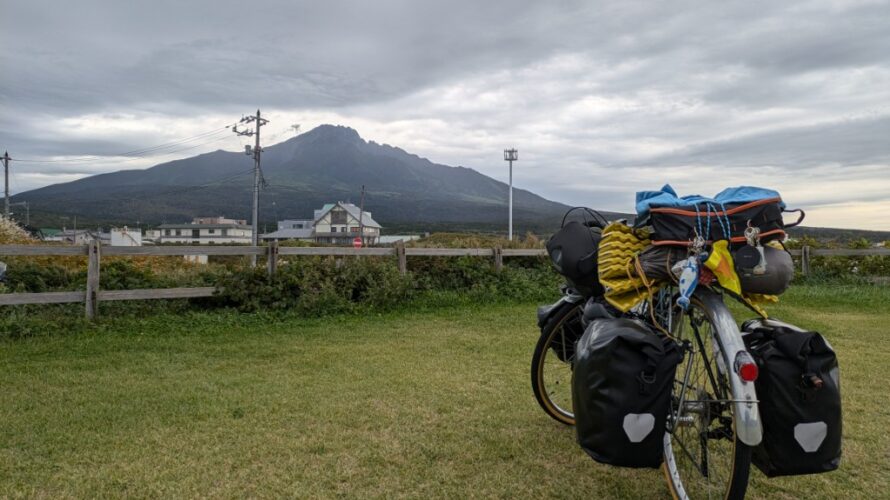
(573, 252)
(679, 225)
(800, 400)
(621, 390)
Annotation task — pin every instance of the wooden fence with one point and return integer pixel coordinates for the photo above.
(93, 294)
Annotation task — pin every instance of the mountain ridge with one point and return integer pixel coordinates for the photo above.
(328, 163)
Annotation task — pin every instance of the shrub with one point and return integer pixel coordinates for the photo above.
(33, 277)
(252, 289)
(319, 286)
(124, 275)
(11, 233)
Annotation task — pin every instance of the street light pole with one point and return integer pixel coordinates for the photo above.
(510, 155)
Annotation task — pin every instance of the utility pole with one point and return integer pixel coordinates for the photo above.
(257, 151)
(6, 172)
(510, 155)
(361, 217)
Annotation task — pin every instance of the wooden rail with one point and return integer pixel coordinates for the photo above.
(92, 296)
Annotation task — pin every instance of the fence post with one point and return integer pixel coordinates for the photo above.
(805, 260)
(403, 259)
(272, 258)
(498, 259)
(92, 292)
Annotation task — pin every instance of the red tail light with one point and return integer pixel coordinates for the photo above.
(746, 367)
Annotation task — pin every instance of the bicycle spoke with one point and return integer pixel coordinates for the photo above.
(552, 366)
(701, 434)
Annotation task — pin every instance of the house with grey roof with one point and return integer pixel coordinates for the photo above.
(292, 229)
(335, 223)
(203, 231)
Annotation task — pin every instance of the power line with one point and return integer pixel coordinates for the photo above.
(119, 158)
(131, 201)
(182, 190)
(158, 150)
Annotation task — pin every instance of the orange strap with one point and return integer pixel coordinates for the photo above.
(734, 239)
(690, 213)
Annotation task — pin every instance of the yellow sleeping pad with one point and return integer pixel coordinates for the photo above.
(615, 261)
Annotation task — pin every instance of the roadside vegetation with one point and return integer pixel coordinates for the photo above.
(430, 399)
(340, 376)
(319, 285)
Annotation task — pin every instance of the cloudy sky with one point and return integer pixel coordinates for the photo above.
(601, 98)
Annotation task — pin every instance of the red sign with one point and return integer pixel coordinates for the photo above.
(357, 242)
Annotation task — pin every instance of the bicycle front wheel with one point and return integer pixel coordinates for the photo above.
(552, 363)
(703, 456)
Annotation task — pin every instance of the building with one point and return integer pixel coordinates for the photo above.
(338, 223)
(124, 237)
(50, 234)
(203, 231)
(293, 229)
(218, 220)
(73, 236)
(334, 223)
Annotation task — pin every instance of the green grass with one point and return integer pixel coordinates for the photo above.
(430, 403)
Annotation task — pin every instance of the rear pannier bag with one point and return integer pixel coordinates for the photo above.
(621, 390)
(573, 252)
(800, 400)
(679, 225)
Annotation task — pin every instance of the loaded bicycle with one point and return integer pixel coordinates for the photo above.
(643, 356)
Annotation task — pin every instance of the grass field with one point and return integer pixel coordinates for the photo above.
(432, 403)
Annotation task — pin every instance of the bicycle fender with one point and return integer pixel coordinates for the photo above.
(748, 425)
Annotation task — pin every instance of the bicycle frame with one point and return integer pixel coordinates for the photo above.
(748, 426)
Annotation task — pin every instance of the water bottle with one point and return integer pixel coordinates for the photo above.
(689, 270)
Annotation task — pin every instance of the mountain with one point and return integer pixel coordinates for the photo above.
(327, 164)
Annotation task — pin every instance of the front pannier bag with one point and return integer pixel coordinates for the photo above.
(800, 400)
(621, 390)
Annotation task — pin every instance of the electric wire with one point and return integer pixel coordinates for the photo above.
(183, 189)
(164, 149)
(158, 150)
(113, 158)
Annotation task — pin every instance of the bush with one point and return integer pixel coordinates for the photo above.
(319, 286)
(252, 289)
(124, 275)
(34, 277)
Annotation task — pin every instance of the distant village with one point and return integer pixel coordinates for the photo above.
(334, 224)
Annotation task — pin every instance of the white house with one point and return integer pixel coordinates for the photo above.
(74, 237)
(204, 231)
(338, 223)
(335, 223)
(124, 237)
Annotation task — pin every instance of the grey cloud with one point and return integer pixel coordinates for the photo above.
(596, 89)
(849, 142)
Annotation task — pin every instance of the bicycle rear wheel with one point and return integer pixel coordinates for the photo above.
(551, 368)
(703, 456)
